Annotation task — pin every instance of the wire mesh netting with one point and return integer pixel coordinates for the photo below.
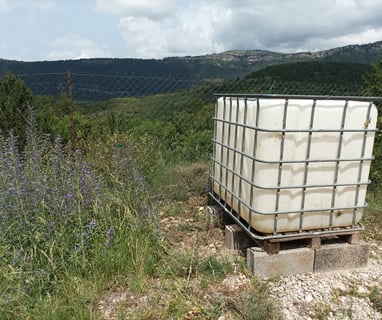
(97, 87)
(165, 97)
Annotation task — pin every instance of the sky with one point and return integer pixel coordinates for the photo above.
(37, 30)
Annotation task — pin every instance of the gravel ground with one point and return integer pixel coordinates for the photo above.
(323, 296)
(332, 295)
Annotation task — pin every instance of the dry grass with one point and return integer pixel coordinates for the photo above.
(188, 181)
(198, 279)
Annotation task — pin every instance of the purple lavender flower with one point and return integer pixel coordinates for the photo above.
(49, 230)
(110, 236)
(91, 225)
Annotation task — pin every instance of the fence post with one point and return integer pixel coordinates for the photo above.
(71, 111)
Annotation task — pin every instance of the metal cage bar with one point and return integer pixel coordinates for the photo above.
(360, 168)
(306, 169)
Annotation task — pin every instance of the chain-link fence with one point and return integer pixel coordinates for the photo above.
(163, 96)
(180, 107)
(98, 87)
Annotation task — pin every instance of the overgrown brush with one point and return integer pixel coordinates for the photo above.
(61, 219)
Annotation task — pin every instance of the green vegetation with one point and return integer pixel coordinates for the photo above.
(315, 72)
(373, 81)
(117, 217)
(78, 228)
(65, 227)
(14, 99)
(375, 297)
(315, 77)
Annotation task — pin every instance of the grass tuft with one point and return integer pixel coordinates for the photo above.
(375, 297)
(255, 303)
(188, 180)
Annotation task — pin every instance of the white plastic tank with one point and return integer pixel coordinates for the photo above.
(290, 164)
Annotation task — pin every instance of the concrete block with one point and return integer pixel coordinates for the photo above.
(339, 256)
(236, 238)
(285, 263)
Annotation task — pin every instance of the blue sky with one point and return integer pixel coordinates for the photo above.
(33, 30)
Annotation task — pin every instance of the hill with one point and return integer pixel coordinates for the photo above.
(248, 61)
(106, 78)
(316, 71)
(225, 65)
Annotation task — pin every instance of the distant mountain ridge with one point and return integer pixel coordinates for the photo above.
(96, 79)
(365, 53)
(224, 65)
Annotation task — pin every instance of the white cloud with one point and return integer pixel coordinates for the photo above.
(156, 29)
(287, 25)
(150, 29)
(136, 8)
(162, 28)
(191, 33)
(144, 37)
(366, 36)
(75, 47)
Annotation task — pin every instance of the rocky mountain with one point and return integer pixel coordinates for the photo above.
(238, 63)
(366, 53)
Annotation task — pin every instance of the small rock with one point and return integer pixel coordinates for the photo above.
(362, 290)
(308, 298)
(339, 286)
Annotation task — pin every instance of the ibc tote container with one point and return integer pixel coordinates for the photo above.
(292, 164)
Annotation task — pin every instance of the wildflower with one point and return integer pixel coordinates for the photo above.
(91, 225)
(147, 214)
(110, 236)
(49, 230)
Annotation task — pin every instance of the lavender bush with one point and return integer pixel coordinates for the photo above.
(58, 215)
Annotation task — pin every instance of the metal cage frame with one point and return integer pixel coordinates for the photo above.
(238, 150)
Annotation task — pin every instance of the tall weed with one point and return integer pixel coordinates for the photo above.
(60, 216)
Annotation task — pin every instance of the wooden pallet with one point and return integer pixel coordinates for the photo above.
(311, 239)
(273, 246)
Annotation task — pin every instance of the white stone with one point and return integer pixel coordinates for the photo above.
(362, 290)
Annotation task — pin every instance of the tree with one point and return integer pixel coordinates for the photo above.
(14, 100)
(53, 118)
(373, 80)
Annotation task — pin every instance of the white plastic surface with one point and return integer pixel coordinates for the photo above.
(242, 185)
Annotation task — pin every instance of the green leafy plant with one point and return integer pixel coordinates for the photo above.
(375, 297)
